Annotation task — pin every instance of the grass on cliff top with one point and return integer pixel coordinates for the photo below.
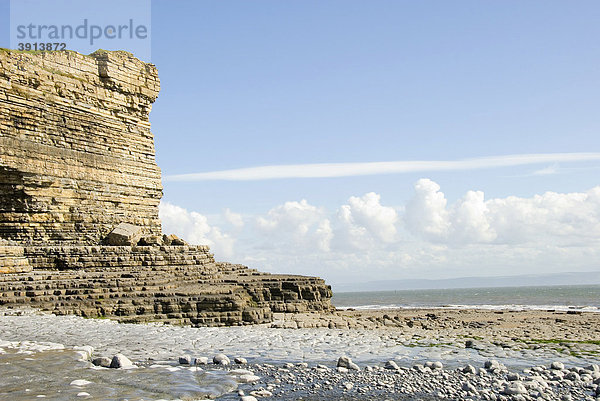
(64, 74)
(102, 51)
(95, 53)
(49, 69)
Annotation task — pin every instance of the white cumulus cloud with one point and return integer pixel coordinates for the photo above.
(469, 220)
(550, 218)
(195, 229)
(364, 221)
(235, 219)
(364, 239)
(426, 213)
(571, 218)
(300, 223)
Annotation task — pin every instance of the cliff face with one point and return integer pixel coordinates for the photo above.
(77, 161)
(77, 152)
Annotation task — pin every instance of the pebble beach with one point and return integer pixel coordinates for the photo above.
(424, 354)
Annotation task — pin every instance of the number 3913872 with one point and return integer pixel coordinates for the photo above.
(42, 46)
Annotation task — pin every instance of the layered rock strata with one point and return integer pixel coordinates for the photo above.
(177, 284)
(77, 152)
(13, 260)
(77, 173)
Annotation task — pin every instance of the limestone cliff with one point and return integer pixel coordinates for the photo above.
(77, 153)
(76, 161)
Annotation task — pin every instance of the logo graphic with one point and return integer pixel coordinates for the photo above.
(82, 26)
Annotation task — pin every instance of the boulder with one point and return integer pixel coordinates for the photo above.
(173, 240)
(469, 388)
(434, 365)
(120, 361)
(248, 378)
(492, 364)
(186, 360)
(85, 351)
(262, 393)
(346, 362)
(513, 377)
(202, 360)
(572, 376)
(151, 240)
(102, 361)
(80, 383)
(221, 359)
(469, 369)
(124, 234)
(514, 389)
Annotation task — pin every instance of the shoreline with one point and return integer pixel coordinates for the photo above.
(301, 363)
(487, 307)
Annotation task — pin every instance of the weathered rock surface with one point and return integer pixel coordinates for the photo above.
(13, 260)
(79, 195)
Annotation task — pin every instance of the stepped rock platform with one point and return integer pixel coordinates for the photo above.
(79, 196)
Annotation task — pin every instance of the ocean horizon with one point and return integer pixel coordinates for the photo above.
(555, 297)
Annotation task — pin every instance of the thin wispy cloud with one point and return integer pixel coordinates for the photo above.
(330, 170)
(550, 170)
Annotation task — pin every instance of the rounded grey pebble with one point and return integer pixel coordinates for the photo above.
(102, 361)
(470, 388)
(202, 360)
(512, 377)
(469, 369)
(221, 359)
(514, 389)
(185, 360)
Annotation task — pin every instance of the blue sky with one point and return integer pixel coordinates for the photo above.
(261, 83)
(270, 82)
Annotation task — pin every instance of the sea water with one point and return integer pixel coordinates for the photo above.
(559, 298)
